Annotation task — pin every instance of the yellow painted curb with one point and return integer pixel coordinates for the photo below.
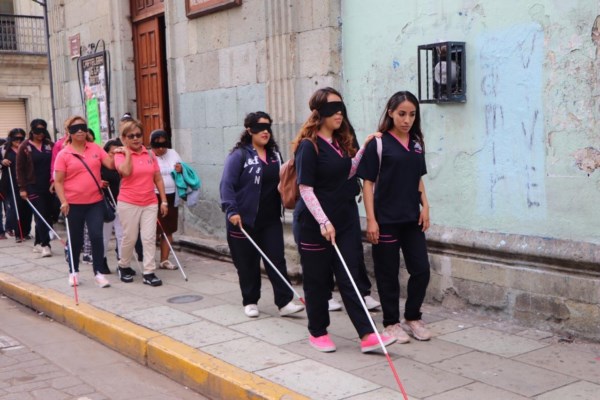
(209, 375)
(189, 366)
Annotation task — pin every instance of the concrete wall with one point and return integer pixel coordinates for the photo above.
(265, 55)
(108, 21)
(512, 172)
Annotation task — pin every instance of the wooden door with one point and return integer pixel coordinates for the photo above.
(152, 107)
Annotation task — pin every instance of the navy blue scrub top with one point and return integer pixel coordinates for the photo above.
(397, 196)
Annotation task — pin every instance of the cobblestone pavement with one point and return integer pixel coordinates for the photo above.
(41, 359)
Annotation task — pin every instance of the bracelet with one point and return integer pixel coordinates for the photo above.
(164, 203)
(64, 204)
(324, 224)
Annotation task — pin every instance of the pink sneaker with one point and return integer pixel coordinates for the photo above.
(371, 343)
(416, 329)
(322, 343)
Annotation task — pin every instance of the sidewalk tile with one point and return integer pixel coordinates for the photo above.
(158, 318)
(492, 341)
(347, 357)
(514, 376)
(419, 380)
(578, 390)
(258, 355)
(563, 359)
(202, 333)
(381, 394)
(318, 381)
(275, 330)
(445, 326)
(428, 352)
(225, 314)
(477, 391)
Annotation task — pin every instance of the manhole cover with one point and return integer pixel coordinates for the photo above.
(188, 298)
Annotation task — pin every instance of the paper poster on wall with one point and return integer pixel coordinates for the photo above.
(93, 118)
(93, 68)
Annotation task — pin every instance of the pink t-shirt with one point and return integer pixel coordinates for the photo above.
(138, 188)
(80, 187)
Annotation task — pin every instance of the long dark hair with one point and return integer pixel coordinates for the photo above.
(386, 122)
(246, 137)
(311, 126)
(11, 136)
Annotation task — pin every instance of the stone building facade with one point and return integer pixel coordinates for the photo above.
(512, 171)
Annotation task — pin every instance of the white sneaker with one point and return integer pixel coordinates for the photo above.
(37, 248)
(46, 252)
(334, 305)
(73, 278)
(371, 303)
(101, 280)
(251, 310)
(290, 308)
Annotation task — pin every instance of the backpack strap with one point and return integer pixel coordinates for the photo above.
(379, 144)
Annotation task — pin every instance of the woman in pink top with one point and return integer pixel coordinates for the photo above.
(80, 199)
(136, 205)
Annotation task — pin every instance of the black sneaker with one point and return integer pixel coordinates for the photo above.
(126, 274)
(152, 280)
(104, 270)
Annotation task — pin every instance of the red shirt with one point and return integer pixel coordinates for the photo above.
(79, 185)
(138, 187)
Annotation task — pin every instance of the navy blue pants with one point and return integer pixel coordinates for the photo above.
(93, 216)
(319, 262)
(247, 261)
(386, 257)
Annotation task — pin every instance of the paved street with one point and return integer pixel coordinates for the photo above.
(470, 357)
(42, 359)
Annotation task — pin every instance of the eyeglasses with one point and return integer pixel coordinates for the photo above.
(134, 136)
(73, 129)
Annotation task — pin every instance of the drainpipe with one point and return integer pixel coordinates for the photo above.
(45, 6)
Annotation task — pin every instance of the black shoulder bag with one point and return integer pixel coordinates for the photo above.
(109, 208)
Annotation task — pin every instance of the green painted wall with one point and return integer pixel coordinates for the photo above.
(521, 155)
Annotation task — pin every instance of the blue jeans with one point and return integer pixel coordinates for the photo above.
(93, 216)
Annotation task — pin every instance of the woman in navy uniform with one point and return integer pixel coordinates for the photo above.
(325, 160)
(398, 214)
(250, 199)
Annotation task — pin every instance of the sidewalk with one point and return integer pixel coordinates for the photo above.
(196, 333)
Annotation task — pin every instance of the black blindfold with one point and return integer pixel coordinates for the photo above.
(73, 129)
(159, 145)
(257, 128)
(330, 108)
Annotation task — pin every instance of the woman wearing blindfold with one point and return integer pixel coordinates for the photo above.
(168, 161)
(325, 160)
(33, 178)
(80, 198)
(21, 228)
(250, 199)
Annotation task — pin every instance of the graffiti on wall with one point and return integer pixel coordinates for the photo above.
(511, 179)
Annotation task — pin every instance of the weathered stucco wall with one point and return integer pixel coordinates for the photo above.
(518, 156)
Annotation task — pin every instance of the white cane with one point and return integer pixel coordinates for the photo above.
(272, 265)
(364, 306)
(45, 222)
(172, 251)
(71, 265)
(12, 186)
